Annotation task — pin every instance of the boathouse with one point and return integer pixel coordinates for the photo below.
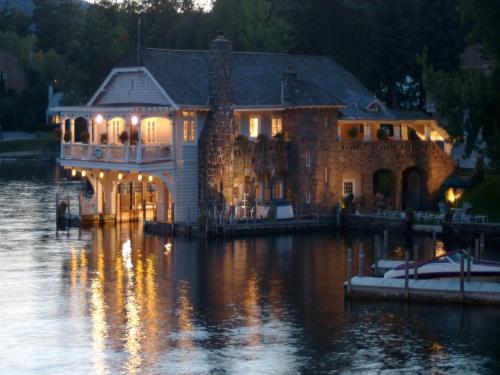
(178, 133)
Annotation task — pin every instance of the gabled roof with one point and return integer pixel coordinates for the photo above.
(257, 79)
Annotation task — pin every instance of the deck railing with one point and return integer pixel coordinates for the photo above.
(145, 153)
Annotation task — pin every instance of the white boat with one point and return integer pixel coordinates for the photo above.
(447, 266)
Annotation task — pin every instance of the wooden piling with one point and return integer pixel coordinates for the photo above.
(349, 271)
(469, 263)
(376, 253)
(433, 243)
(481, 245)
(361, 259)
(476, 248)
(407, 274)
(462, 276)
(386, 241)
(415, 261)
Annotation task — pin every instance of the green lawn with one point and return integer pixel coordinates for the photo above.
(485, 198)
(44, 140)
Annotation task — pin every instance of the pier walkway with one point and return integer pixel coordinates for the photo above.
(423, 290)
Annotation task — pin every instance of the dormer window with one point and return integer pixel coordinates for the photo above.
(374, 106)
(132, 84)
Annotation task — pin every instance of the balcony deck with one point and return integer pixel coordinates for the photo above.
(140, 154)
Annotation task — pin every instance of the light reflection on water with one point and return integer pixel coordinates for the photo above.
(113, 300)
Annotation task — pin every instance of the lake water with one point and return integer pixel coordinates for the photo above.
(114, 300)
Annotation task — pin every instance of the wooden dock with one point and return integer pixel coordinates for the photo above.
(260, 227)
(423, 290)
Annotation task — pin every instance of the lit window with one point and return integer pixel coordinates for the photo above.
(326, 175)
(189, 127)
(278, 190)
(276, 125)
(132, 84)
(151, 131)
(308, 159)
(254, 127)
(348, 187)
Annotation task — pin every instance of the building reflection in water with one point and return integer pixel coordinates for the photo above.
(235, 306)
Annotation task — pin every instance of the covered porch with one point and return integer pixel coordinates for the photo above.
(116, 134)
(120, 196)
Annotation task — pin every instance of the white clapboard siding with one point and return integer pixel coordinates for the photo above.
(131, 87)
(186, 200)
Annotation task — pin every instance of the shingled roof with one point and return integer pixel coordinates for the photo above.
(257, 81)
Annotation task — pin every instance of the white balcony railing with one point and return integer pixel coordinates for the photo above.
(145, 153)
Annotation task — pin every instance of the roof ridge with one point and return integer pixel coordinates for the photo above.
(241, 52)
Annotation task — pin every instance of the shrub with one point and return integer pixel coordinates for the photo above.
(104, 139)
(85, 137)
(382, 134)
(353, 132)
(123, 137)
(57, 134)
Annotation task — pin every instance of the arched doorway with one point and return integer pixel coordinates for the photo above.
(413, 188)
(384, 188)
(80, 128)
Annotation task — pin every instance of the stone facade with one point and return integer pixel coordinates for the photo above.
(307, 158)
(215, 142)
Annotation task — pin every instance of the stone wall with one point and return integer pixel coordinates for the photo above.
(215, 142)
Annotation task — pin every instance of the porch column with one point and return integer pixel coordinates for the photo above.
(72, 129)
(90, 129)
(397, 132)
(427, 129)
(404, 132)
(339, 132)
(367, 131)
(63, 128)
(139, 141)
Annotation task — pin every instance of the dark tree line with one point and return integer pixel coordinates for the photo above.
(73, 44)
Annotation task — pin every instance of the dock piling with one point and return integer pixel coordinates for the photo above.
(462, 276)
(469, 263)
(433, 243)
(375, 254)
(386, 241)
(476, 249)
(407, 274)
(349, 271)
(361, 260)
(415, 261)
(481, 245)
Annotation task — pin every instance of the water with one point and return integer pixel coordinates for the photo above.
(113, 300)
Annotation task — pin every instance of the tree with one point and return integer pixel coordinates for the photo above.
(56, 23)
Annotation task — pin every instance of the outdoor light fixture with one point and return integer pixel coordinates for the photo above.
(135, 120)
(120, 176)
(98, 119)
(73, 172)
(101, 174)
(150, 178)
(139, 177)
(83, 173)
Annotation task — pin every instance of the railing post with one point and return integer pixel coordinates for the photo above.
(89, 151)
(476, 249)
(108, 153)
(127, 153)
(415, 261)
(139, 152)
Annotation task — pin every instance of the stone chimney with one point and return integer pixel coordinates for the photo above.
(220, 85)
(289, 85)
